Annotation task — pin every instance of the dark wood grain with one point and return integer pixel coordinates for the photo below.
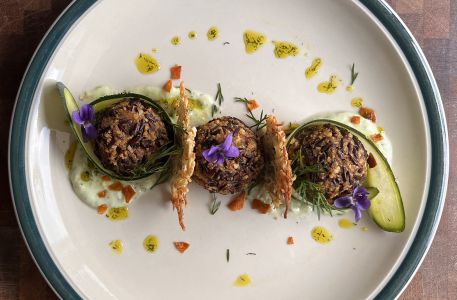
(23, 24)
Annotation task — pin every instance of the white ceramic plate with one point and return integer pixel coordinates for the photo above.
(96, 44)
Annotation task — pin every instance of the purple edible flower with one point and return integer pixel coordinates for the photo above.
(358, 202)
(84, 117)
(218, 153)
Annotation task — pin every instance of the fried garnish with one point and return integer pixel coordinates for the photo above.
(184, 164)
(279, 180)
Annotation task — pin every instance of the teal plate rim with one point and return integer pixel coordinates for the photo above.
(388, 18)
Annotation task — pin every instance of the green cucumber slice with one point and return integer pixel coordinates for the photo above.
(158, 166)
(386, 207)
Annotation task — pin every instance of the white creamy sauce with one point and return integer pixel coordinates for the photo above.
(87, 190)
(200, 103)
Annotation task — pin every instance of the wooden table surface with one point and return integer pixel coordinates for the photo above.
(24, 22)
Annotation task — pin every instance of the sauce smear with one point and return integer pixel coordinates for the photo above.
(330, 86)
(118, 213)
(116, 245)
(243, 280)
(253, 40)
(213, 33)
(321, 235)
(151, 243)
(314, 68)
(345, 223)
(285, 49)
(146, 64)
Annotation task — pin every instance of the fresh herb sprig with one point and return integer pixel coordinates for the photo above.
(354, 74)
(258, 123)
(242, 100)
(214, 206)
(219, 96)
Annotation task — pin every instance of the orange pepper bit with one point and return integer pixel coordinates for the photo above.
(128, 193)
(175, 72)
(377, 137)
(115, 186)
(368, 113)
(252, 104)
(167, 86)
(237, 202)
(371, 161)
(261, 206)
(290, 240)
(355, 120)
(101, 194)
(101, 209)
(181, 246)
(106, 178)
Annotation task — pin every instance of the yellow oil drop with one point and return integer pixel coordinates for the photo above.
(357, 102)
(192, 35)
(321, 235)
(314, 68)
(253, 40)
(291, 127)
(151, 243)
(176, 40)
(85, 176)
(155, 50)
(243, 280)
(349, 88)
(285, 49)
(146, 64)
(380, 129)
(213, 33)
(328, 87)
(118, 213)
(116, 245)
(363, 228)
(345, 223)
(70, 155)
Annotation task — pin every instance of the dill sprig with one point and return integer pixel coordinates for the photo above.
(258, 123)
(214, 206)
(242, 100)
(354, 74)
(219, 96)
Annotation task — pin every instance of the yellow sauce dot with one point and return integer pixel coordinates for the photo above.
(321, 235)
(146, 64)
(330, 86)
(285, 49)
(243, 280)
(253, 40)
(363, 228)
(155, 50)
(151, 243)
(349, 88)
(116, 245)
(357, 102)
(192, 35)
(314, 68)
(346, 224)
(213, 33)
(118, 213)
(380, 129)
(70, 155)
(176, 40)
(85, 176)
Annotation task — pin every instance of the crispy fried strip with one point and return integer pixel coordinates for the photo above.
(279, 185)
(184, 164)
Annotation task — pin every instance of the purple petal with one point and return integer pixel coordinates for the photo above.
(227, 143)
(364, 203)
(77, 118)
(232, 152)
(359, 193)
(87, 113)
(220, 160)
(91, 131)
(357, 213)
(211, 154)
(343, 202)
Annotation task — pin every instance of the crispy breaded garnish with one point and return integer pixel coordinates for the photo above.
(279, 184)
(183, 167)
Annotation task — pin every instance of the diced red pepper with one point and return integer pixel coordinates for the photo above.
(261, 206)
(355, 120)
(252, 104)
(115, 186)
(128, 193)
(290, 240)
(176, 72)
(181, 246)
(106, 178)
(101, 194)
(167, 86)
(237, 202)
(377, 137)
(368, 113)
(101, 209)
